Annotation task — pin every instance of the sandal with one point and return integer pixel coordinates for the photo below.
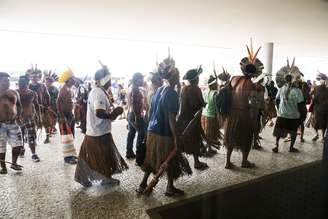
(86, 184)
(275, 150)
(257, 147)
(174, 192)
(293, 150)
(110, 182)
(211, 151)
(229, 166)
(16, 167)
(315, 138)
(247, 164)
(141, 189)
(201, 166)
(70, 160)
(3, 171)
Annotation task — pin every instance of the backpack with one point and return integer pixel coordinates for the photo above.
(223, 100)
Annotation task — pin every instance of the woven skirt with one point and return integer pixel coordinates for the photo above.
(193, 141)
(270, 109)
(240, 128)
(98, 159)
(211, 128)
(320, 120)
(157, 150)
(284, 126)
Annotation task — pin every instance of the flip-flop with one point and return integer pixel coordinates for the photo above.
(248, 164)
(72, 162)
(16, 167)
(229, 166)
(315, 138)
(293, 150)
(175, 192)
(3, 171)
(212, 151)
(140, 190)
(257, 147)
(110, 182)
(275, 150)
(86, 184)
(202, 166)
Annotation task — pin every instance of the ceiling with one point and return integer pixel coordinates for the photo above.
(297, 27)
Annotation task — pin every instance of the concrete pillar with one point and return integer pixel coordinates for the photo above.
(268, 55)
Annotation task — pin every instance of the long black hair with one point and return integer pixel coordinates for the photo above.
(288, 79)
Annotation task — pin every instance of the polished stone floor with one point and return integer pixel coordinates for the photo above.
(47, 189)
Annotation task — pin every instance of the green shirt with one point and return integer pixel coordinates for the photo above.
(209, 98)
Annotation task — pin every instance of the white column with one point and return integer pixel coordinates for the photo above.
(268, 55)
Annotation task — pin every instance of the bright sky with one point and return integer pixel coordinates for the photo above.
(20, 50)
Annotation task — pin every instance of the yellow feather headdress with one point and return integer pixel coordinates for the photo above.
(252, 59)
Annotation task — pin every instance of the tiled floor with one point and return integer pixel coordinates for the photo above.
(47, 189)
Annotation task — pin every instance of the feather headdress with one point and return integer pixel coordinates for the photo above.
(167, 67)
(321, 76)
(253, 60)
(224, 76)
(50, 76)
(34, 70)
(292, 69)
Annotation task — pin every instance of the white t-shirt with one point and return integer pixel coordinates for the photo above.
(288, 108)
(97, 100)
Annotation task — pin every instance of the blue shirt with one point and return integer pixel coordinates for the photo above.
(164, 101)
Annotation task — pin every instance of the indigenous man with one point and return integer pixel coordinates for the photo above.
(9, 131)
(303, 109)
(99, 158)
(53, 93)
(289, 99)
(122, 99)
(271, 111)
(136, 116)
(191, 102)
(320, 105)
(156, 82)
(325, 176)
(162, 136)
(224, 78)
(241, 121)
(65, 109)
(293, 112)
(210, 118)
(80, 109)
(260, 98)
(30, 109)
(43, 100)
